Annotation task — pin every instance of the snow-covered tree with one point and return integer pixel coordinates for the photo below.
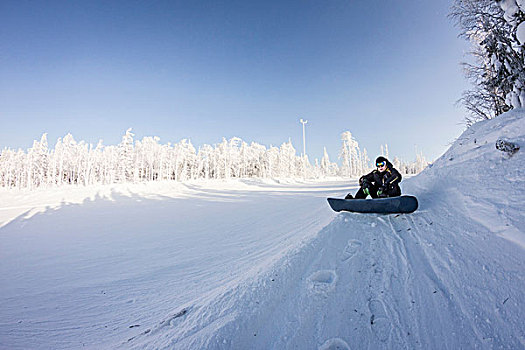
(327, 168)
(287, 157)
(352, 162)
(272, 159)
(126, 158)
(514, 14)
(494, 29)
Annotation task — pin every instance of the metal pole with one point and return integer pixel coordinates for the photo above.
(304, 138)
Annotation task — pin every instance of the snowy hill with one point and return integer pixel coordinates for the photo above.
(487, 183)
(253, 264)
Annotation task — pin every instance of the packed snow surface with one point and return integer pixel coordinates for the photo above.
(253, 264)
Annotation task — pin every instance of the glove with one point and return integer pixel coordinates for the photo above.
(381, 190)
(363, 182)
(366, 190)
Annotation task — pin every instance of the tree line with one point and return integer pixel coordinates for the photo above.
(79, 163)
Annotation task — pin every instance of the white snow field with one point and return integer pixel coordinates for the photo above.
(252, 264)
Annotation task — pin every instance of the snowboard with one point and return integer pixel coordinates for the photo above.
(390, 205)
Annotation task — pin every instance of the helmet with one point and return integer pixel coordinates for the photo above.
(381, 161)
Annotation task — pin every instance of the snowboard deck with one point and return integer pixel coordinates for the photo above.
(391, 205)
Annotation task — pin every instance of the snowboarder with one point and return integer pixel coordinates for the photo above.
(380, 183)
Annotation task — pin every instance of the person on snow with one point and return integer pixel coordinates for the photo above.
(380, 183)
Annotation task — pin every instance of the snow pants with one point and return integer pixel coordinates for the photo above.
(393, 191)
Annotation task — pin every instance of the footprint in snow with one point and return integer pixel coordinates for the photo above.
(334, 344)
(351, 249)
(379, 321)
(322, 281)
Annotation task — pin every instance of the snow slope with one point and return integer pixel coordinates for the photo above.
(87, 266)
(254, 264)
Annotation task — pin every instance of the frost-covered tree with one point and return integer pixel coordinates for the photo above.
(287, 160)
(411, 168)
(126, 157)
(38, 163)
(327, 168)
(498, 72)
(346, 153)
(68, 156)
(514, 14)
(273, 161)
(365, 160)
(8, 168)
(205, 156)
(352, 162)
(396, 163)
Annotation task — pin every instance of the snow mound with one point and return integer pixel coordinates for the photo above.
(480, 180)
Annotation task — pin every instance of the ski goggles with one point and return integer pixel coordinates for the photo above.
(380, 164)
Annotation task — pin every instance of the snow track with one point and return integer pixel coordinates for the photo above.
(373, 282)
(369, 282)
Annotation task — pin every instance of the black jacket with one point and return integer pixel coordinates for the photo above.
(390, 178)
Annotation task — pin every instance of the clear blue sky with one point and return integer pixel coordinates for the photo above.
(388, 71)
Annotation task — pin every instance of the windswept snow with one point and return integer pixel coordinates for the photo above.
(252, 264)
